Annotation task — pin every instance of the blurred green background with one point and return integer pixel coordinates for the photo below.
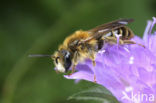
(38, 27)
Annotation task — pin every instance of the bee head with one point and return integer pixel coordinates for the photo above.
(62, 60)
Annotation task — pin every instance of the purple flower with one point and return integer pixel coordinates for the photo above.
(128, 71)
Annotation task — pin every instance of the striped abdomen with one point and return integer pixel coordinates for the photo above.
(125, 33)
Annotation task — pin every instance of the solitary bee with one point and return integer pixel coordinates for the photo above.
(85, 44)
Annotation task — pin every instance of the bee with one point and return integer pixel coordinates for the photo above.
(86, 44)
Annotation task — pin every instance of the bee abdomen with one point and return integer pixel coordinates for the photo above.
(125, 33)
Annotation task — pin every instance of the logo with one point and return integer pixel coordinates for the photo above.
(137, 96)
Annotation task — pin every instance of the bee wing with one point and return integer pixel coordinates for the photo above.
(106, 28)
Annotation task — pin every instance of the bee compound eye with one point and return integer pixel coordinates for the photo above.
(67, 61)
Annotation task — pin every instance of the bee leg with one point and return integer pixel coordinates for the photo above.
(74, 63)
(94, 78)
(112, 40)
(73, 69)
(132, 42)
(93, 61)
(94, 64)
(92, 57)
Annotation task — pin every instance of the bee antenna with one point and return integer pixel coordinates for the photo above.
(39, 55)
(52, 56)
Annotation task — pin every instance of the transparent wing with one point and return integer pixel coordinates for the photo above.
(106, 28)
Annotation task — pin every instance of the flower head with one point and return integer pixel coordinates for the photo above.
(128, 71)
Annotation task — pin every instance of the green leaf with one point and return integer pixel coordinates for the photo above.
(97, 93)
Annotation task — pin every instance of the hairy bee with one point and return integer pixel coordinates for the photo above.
(85, 44)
